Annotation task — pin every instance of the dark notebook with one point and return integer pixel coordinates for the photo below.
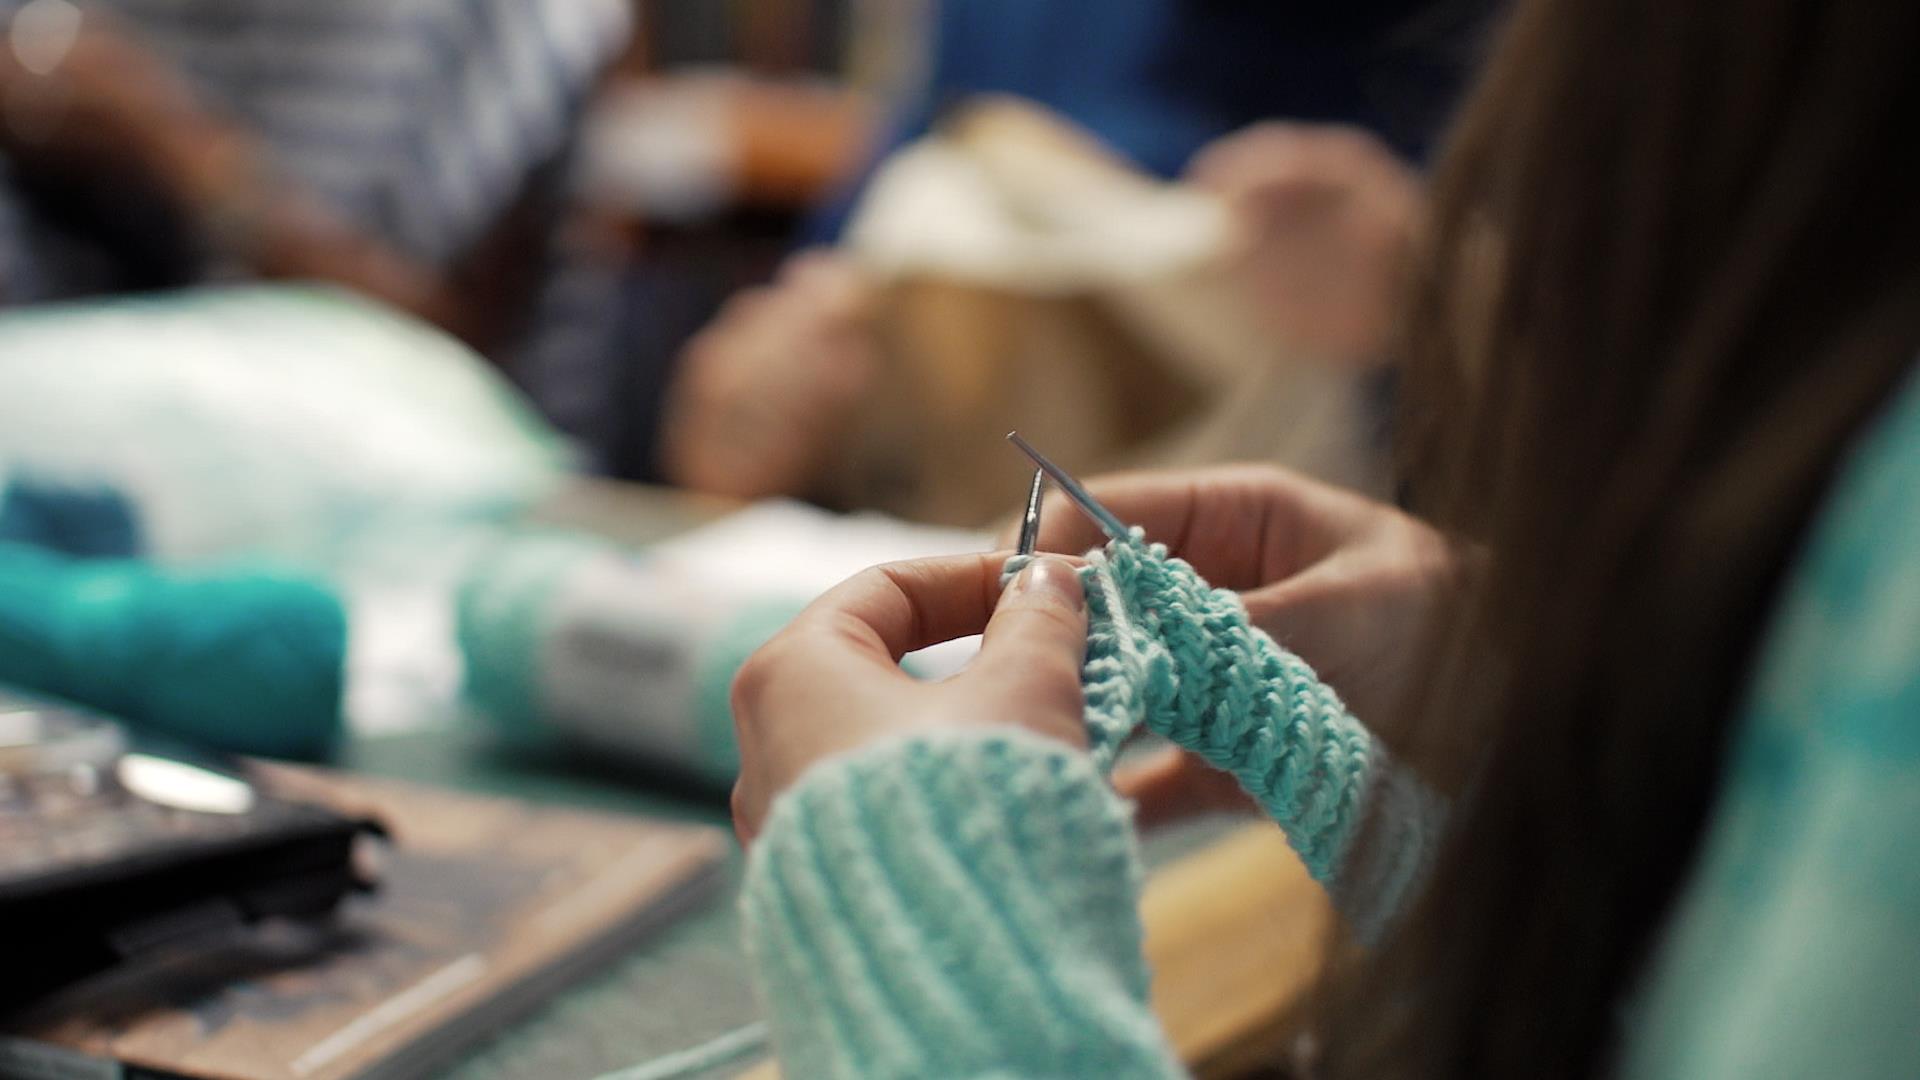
(485, 907)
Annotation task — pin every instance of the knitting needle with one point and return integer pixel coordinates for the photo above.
(1090, 506)
(1030, 524)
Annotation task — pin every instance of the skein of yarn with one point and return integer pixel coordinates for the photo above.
(243, 660)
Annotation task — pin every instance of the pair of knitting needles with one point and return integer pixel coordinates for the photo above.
(1090, 506)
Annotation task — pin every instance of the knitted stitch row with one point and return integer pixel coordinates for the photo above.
(1167, 651)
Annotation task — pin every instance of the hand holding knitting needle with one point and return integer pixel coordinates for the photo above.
(831, 681)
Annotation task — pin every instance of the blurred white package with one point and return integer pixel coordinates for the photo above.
(780, 548)
(275, 420)
(629, 653)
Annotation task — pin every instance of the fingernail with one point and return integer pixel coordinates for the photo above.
(1053, 576)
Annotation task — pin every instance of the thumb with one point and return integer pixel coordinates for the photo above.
(1034, 644)
(1043, 609)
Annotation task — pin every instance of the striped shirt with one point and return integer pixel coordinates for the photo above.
(418, 120)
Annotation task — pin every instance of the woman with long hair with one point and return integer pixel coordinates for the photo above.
(1653, 638)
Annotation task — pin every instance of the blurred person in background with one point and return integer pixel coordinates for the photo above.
(1182, 89)
(405, 149)
(1656, 641)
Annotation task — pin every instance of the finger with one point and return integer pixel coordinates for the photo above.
(829, 283)
(1358, 615)
(1034, 646)
(1173, 786)
(745, 307)
(804, 262)
(1290, 198)
(1256, 152)
(747, 809)
(1220, 165)
(1157, 787)
(1043, 611)
(1239, 525)
(888, 611)
(1158, 502)
(841, 362)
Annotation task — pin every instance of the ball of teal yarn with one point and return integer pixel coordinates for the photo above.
(249, 661)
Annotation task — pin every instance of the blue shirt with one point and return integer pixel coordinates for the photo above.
(1158, 79)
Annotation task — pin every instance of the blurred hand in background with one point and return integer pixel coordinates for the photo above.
(831, 682)
(763, 393)
(1331, 217)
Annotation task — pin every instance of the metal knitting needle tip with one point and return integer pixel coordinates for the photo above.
(1030, 524)
(1103, 517)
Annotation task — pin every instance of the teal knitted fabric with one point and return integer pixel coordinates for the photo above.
(1167, 651)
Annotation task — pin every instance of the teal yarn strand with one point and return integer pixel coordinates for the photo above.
(249, 661)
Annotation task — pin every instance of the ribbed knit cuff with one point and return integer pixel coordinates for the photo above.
(953, 904)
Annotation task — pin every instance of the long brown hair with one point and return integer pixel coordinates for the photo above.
(1675, 266)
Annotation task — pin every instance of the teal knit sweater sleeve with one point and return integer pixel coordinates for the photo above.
(956, 905)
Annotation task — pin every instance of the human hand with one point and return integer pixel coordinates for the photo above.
(1331, 217)
(83, 95)
(764, 392)
(1174, 785)
(831, 681)
(1347, 583)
